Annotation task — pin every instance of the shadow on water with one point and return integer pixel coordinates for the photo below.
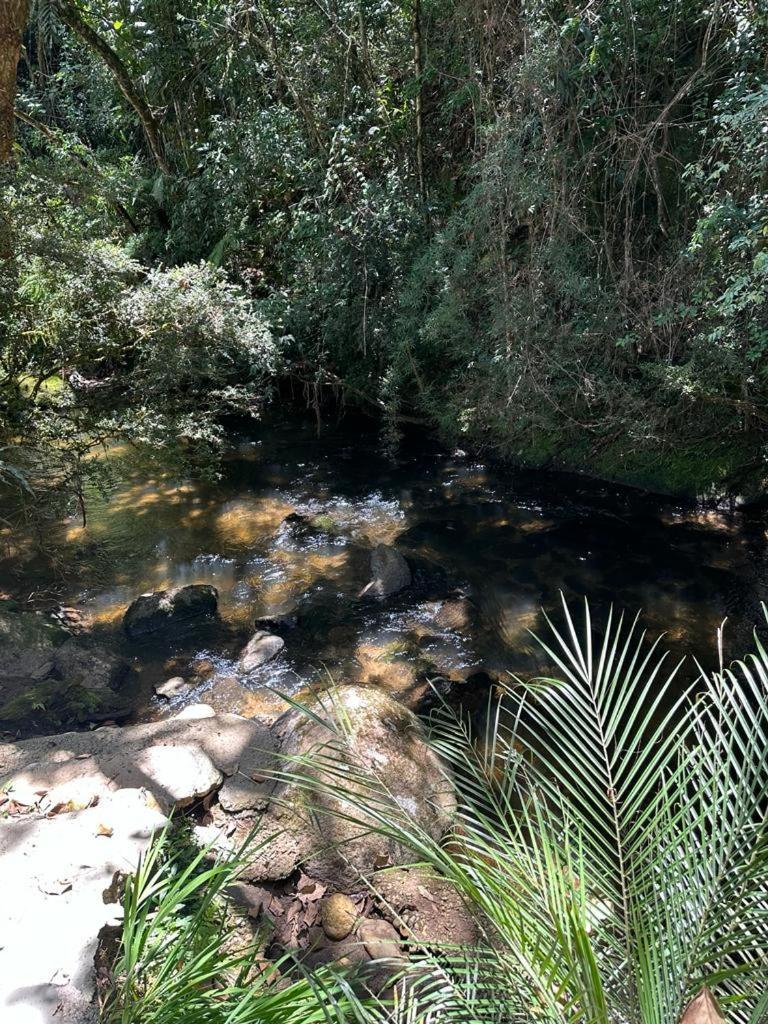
(491, 551)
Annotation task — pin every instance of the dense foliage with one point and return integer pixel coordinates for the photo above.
(541, 227)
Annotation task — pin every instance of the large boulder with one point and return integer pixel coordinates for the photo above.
(357, 729)
(390, 573)
(151, 613)
(91, 802)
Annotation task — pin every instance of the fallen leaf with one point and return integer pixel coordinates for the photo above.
(105, 830)
(702, 1009)
(54, 886)
(67, 806)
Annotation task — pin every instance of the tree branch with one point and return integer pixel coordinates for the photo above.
(73, 20)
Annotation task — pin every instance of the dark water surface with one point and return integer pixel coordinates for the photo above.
(490, 549)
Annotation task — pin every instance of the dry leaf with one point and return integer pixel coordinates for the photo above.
(702, 1009)
(75, 804)
(105, 830)
(308, 890)
(54, 886)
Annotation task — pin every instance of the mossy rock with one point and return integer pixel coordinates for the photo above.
(27, 629)
(303, 528)
(54, 703)
(324, 523)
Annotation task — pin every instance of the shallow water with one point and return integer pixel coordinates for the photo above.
(491, 550)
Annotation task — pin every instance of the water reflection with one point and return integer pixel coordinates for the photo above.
(489, 551)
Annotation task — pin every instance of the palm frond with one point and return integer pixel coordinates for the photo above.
(610, 833)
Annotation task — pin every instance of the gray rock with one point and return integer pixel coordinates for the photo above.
(261, 648)
(176, 774)
(27, 645)
(241, 793)
(90, 665)
(390, 571)
(176, 686)
(380, 939)
(386, 739)
(164, 609)
(130, 756)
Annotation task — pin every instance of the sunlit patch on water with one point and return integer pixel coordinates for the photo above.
(216, 680)
(249, 519)
(397, 648)
(488, 552)
(372, 517)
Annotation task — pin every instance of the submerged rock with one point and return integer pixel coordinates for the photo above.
(261, 648)
(280, 623)
(390, 572)
(228, 694)
(54, 703)
(304, 528)
(162, 609)
(53, 679)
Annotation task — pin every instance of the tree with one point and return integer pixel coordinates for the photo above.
(73, 19)
(13, 18)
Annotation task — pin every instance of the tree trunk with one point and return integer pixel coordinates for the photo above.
(418, 69)
(73, 20)
(13, 18)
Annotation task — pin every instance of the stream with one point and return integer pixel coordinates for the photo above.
(491, 549)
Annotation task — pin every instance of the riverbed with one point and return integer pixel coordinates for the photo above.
(491, 550)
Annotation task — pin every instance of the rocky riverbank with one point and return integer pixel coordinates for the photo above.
(81, 807)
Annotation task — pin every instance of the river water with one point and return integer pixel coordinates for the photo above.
(491, 551)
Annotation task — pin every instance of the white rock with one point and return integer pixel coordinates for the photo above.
(174, 687)
(48, 938)
(177, 775)
(75, 795)
(193, 711)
